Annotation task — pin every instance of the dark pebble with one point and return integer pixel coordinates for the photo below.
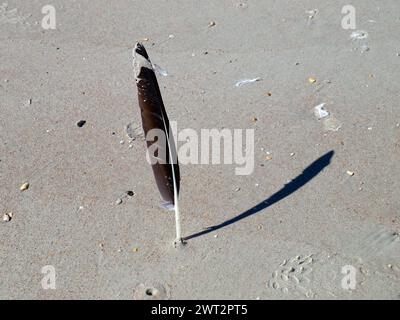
(81, 123)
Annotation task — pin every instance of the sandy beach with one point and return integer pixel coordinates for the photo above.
(317, 218)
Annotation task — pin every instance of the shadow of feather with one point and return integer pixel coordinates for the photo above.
(309, 173)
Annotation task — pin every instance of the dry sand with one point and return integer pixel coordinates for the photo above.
(294, 246)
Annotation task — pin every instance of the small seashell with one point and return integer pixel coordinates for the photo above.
(24, 187)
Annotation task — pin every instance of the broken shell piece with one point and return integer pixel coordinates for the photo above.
(350, 173)
(24, 187)
(7, 216)
(312, 80)
(358, 35)
(320, 112)
(246, 81)
(28, 102)
(312, 13)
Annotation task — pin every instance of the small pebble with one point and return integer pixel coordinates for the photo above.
(171, 36)
(122, 142)
(254, 119)
(268, 158)
(135, 249)
(350, 173)
(292, 154)
(268, 94)
(130, 193)
(118, 201)
(7, 216)
(312, 80)
(81, 123)
(24, 187)
(211, 24)
(241, 5)
(237, 189)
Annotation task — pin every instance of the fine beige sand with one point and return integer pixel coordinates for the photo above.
(324, 196)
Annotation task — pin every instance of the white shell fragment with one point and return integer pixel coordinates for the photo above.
(320, 112)
(24, 187)
(359, 35)
(7, 216)
(246, 81)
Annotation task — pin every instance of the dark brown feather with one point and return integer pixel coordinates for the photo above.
(154, 116)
